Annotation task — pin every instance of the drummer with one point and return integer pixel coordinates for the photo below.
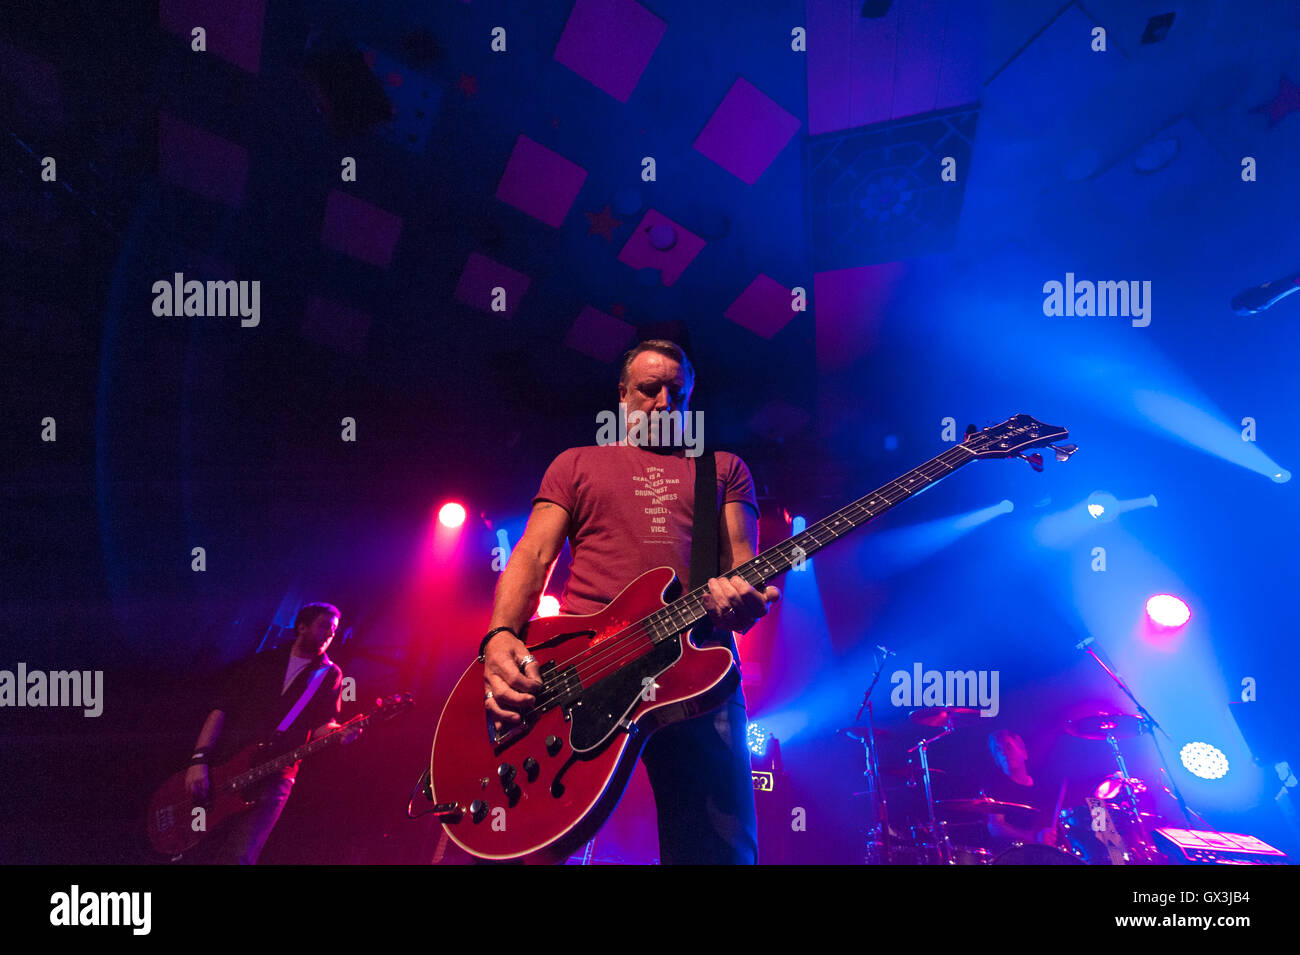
(1015, 785)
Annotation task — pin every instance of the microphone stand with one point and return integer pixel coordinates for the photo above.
(1150, 725)
(872, 771)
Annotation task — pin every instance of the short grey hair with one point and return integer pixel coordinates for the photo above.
(663, 347)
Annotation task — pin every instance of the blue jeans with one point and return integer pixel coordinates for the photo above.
(704, 793)
(246, 834)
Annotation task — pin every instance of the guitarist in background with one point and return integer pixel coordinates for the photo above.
(293, 690)
(625, 510)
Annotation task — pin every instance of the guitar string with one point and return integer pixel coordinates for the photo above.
(826, 524)
(620, 641)
(232, 784)
(626, 644)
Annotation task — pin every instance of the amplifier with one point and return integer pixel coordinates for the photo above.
(1205, 847)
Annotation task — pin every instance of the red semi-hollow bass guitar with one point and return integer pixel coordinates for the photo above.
(537, 791)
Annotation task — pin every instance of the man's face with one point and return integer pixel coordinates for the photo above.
(320, 633)
(1009, 751)
(655, 382)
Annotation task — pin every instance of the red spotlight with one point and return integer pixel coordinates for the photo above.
(451, 514)
(1166, 610)
(548, 606)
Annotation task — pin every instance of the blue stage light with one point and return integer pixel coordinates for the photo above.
(1204, 760)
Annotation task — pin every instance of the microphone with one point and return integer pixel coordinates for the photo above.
(1254, 300)
(1084, 642)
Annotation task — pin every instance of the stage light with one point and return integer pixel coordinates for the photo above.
(451, 514)
(1204, 760)
(757, 736)
(548, 606)
(1103, 506)
(1166, 610)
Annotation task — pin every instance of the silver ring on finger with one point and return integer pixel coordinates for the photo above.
(524, 661)
(487, 696)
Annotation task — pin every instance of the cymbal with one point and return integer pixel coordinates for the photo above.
(945, 715)
(982, 805)
(1101, 725)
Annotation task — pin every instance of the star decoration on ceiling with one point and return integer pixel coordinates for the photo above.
(468, 84)
(1286, 101)
(602, 223)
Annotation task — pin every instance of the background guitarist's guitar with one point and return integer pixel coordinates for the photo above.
(540, 789)
(171, 819)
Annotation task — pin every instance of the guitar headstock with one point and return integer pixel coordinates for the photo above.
(390, 706)
(1017, 434)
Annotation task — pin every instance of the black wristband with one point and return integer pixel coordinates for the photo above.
(482, 647)
(200, 758)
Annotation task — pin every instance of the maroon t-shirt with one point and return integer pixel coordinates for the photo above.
(630, 510)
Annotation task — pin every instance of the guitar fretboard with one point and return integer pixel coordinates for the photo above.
(262, 770)
(685, 612)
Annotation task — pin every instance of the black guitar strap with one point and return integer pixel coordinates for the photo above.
(704, 535)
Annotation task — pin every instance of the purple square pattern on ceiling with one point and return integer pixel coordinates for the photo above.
(746, 132)
(601, 336)
(540, 182)
(763, 308)
(357, 228)
(639, 253)
(609, 43)
(232, 28)
(201, 161)
(482, 275)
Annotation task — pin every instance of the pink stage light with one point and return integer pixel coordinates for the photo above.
(548, 606)
(451, 514)
(1166, 610)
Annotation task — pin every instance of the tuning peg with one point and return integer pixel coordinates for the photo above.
(1064, 451)
(971, 429)
(1035, 461)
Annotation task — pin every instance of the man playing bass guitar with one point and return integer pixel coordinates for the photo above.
(287, 693)
(626, 509)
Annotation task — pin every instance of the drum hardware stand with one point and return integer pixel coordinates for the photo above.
(879, 844)
(938, 832)
(1150, 725)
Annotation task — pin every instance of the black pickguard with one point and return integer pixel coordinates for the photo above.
(597, 712)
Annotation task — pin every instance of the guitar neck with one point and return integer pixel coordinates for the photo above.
(272, 766)
(684, 613)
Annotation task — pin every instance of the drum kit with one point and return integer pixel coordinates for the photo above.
(1108, 828)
